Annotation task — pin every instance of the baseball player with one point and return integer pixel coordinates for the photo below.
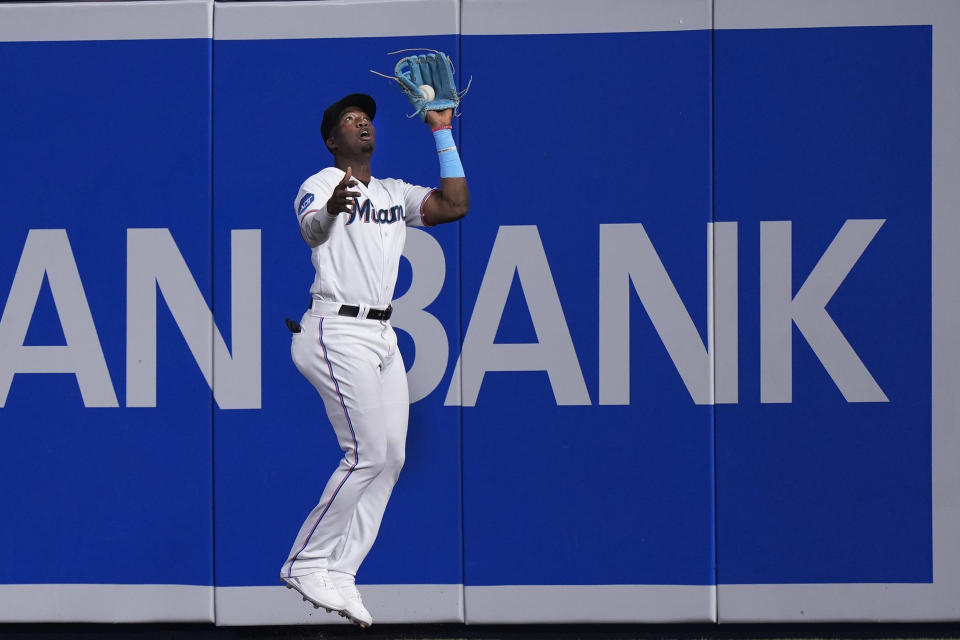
(355, 225)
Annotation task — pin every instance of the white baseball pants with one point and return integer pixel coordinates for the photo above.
(357, 369)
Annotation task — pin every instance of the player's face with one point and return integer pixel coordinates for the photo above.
(354, 133)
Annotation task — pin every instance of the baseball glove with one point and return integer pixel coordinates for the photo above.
(434, 69)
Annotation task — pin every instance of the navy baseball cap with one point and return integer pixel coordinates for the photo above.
(331, 116)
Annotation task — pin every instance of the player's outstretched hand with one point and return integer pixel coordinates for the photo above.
(342, 199)
(439, 118)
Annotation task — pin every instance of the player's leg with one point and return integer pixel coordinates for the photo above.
(365, 525)
(391, 415)
(333, 356)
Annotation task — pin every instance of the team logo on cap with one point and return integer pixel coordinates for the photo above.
(304, 203)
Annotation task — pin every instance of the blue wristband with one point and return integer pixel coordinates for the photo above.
(450, 165)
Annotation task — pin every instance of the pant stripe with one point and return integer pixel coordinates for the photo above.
(356, 452)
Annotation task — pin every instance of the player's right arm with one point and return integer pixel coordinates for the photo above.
(316, 223)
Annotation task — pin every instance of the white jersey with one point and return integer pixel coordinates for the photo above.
(357, 263)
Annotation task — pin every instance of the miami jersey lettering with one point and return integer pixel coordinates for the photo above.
(369, 236)
(367, 213)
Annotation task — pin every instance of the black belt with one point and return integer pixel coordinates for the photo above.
(352, 311)
(372, 314)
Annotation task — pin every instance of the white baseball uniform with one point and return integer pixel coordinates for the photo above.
(354, 362)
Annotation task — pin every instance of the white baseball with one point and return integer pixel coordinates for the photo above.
(428, 93)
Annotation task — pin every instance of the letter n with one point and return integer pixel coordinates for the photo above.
(627, 255)
(153, 261)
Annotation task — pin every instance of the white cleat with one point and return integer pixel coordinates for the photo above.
(353, 608)
(317, 590)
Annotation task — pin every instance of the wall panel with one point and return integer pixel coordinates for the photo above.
(104, 411)
(835, 125)
(277, 67)
(588, 464)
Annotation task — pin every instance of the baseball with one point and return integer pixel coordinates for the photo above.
(428, 93)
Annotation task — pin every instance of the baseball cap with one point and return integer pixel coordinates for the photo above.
(332, 113)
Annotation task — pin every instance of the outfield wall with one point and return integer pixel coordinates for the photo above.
(691, 357)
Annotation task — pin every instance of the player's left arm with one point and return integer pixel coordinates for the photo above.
(452, 201)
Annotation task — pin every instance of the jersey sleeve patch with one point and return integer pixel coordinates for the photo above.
(305, 202)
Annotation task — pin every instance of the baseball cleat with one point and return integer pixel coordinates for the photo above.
(315, 605)
(353, 608)
(317, 590)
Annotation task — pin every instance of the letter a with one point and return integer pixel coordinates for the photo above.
(518, 250)
(47, 251)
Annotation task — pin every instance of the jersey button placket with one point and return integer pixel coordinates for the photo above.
(383, 257)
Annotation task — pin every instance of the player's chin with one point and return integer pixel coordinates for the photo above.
(367, 146)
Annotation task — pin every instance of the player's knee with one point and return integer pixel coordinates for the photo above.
(395, 460)
(384, 461)
(373, 459)
(396, 450)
